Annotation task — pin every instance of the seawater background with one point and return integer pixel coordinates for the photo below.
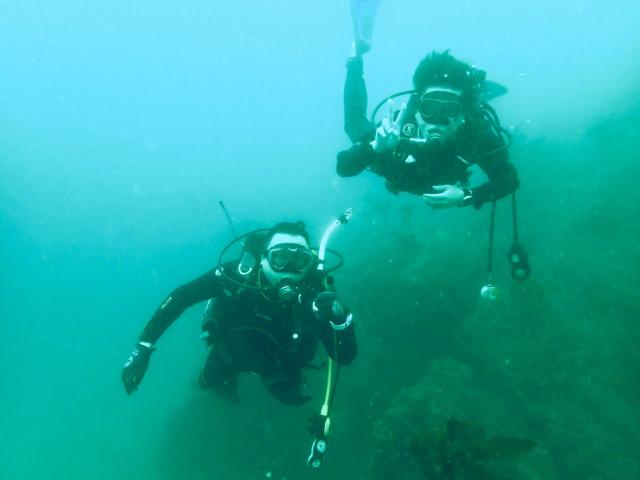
(123, 125)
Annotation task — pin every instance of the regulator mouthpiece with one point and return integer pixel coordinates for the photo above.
(434, 137)
(287, 293)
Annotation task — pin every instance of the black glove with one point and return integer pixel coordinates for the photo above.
(136, 366)
(326, 306)
(316, 424)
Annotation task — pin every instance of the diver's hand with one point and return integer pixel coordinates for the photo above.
(136, 366)
(327, 307)
(388, 133)
(450, 196)
(316, 425)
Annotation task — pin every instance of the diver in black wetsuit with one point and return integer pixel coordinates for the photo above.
(427, 147)
(265, 315)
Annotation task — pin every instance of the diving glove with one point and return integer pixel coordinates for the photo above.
(136, 366)
(326, 306)
(316, 425)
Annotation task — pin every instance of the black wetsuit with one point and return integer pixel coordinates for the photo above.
(476, 143)
(249, 332)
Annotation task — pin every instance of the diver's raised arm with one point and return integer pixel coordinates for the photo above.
(356, 123)
(202, 288)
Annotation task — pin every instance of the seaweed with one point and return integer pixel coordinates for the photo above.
(463, 451)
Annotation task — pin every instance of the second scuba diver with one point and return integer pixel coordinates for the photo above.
(267, 311)
(427, 147)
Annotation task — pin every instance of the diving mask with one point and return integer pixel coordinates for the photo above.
(440, 114)
(440, 104)
(290, 257)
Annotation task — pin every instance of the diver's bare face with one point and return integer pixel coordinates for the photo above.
(440, 114)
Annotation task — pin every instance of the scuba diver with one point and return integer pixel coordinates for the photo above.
(266, 314)
(427, 147)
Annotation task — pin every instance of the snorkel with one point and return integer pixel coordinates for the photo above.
(341, 220)
(321, 430)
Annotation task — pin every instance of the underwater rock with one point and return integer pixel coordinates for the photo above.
(463, 450)
(434, 425)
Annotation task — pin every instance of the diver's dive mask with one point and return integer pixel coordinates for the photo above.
(286, 263)
(290, 258)
(439, 114)
(434, 110)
